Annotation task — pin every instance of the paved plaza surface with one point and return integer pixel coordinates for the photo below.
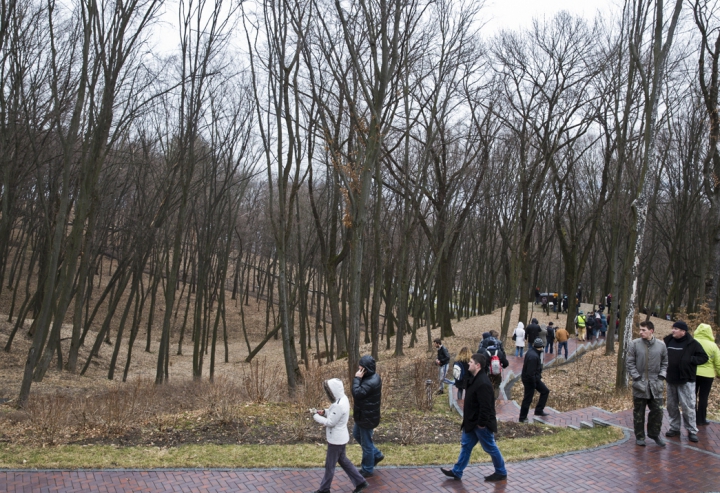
(681, 466)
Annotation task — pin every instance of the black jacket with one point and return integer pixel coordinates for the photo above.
(366, 394)
(684, 356)
(532, 332)
(532, 366)
(443, 355)
(479, 407)
(550, 334)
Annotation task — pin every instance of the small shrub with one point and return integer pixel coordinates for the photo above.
(422, 370)
(223, 397)
(410, 427)
(48, 414)
(258, 382)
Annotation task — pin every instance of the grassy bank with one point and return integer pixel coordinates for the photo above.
(302, 455)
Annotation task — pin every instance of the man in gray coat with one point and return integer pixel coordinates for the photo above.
(647, 363)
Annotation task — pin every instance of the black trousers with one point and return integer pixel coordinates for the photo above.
(654, 419)
(530, 387)
(703, 385)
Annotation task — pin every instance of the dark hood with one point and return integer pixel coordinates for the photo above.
(368, 363)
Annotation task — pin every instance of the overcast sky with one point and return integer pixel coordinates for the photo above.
(514, 14)
(496, 14)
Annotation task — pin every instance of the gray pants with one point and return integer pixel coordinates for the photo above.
(682, 396)
(335, 455)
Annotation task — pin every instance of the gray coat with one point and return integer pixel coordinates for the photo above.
(542, 335)
(645, 374)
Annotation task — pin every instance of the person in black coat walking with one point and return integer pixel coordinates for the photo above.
(532, 331)
(532, 381)
(443, 359)
(479, 422)
(366, 392)
(550, 338)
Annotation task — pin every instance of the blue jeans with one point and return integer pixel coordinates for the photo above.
(370, 453)
(562, 345)
(519, 350)
(442, 373)
(549, 347)
(487, 441)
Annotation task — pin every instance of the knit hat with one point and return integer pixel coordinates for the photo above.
(538, 343)
(681, 325)
(485, 335)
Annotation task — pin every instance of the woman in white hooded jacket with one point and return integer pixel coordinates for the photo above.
(335, 419)
(519, 336)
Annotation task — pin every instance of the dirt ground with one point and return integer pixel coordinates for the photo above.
(69, 408)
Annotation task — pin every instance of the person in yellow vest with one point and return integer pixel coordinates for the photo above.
(580, 324)
(706, 372)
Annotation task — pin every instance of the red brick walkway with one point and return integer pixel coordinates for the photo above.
(621, 467)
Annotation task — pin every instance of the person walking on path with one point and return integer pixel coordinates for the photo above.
(479, 422)
(443, 359)
(590, 325)
(685, 354)
(550, 338)
(603, 324)
(335, 419)
(366, 392)
(460, 371)
(493, 347)
(562, 337)
(532, 332)
(706, 372)
(543, 335)
(646, 363)
(519, 338)
(532, 381)
(580, 325)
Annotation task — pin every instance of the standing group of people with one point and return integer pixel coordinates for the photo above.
(547, 335)
(591, 326)
(686, 364)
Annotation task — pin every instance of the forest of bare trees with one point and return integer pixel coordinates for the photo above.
(373, 169)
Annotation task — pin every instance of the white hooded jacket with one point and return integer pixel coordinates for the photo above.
(336, 416)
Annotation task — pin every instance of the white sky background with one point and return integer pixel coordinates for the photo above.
(517, 14)
(497, 15)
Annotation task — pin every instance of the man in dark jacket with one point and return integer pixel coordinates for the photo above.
(443, 359)
(532, 381)
(366, 391)
(532, 331)
(550, 338)
(479, 422)
(685, 354)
